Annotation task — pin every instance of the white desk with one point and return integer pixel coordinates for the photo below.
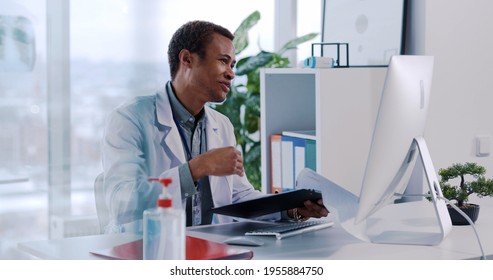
(331, 243)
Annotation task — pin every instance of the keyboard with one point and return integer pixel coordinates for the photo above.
(291, 229)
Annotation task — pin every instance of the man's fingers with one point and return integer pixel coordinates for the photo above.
(313, 210)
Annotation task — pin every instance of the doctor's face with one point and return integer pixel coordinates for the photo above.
(212, 75)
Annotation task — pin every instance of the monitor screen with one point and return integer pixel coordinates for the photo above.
(401, 118)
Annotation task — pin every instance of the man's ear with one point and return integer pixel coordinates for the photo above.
(185, 57)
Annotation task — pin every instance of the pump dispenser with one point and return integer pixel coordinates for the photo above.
(164, 200)
(164, 227)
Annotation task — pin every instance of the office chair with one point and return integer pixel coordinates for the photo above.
(101, 208)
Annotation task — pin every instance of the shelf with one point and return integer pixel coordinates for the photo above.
(340, 104)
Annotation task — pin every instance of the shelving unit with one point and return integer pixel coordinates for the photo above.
(339, 103)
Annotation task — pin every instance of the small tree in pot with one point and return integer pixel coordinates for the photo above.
(479, 185)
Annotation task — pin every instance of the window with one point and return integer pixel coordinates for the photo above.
(23, 124)
(309, 21)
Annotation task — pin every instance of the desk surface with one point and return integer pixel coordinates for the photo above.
(330, 243)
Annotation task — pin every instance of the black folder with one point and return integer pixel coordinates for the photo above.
(268, 204)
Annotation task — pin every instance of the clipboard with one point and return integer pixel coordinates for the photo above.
(268, 204)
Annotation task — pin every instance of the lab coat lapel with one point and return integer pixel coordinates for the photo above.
(169, 135)
(221, 187)
(214, 139)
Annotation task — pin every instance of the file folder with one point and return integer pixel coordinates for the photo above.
(287, 164)
(275, 163)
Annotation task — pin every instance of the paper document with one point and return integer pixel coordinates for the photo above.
(341, 203)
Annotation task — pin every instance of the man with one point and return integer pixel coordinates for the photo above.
(174, 134)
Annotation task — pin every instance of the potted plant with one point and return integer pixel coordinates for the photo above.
(242, 105)
(469, 179)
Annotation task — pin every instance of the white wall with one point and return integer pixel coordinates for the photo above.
(459, 34)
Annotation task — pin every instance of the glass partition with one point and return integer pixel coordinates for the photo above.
(23, 124)
(117, 49)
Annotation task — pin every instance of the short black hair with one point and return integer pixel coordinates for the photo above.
(193, 36)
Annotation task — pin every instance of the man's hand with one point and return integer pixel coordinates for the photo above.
(311, 210)
(217, 162)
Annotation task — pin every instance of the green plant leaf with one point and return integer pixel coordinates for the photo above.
(278, 62)
(241, 62)
(253, 84)
(460, 192)
(292, 44)
(253, 63)
(252, 116)
(240, 41)
(252, 166)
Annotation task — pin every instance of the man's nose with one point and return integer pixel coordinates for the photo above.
(230, 74)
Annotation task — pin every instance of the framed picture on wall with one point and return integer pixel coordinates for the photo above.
(374, 29)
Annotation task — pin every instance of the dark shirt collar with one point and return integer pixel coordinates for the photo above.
(180, 113)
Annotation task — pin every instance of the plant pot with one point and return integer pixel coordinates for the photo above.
(471, 210)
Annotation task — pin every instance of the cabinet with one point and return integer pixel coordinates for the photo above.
(339, 103)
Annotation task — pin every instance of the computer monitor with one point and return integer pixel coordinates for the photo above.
(398, 142)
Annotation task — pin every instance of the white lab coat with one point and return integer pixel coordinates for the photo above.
(141, 140)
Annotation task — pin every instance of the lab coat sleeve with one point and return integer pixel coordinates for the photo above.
(127, 190)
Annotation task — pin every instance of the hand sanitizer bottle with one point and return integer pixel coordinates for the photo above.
(164, 228)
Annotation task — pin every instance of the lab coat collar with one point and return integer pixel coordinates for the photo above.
(163, 107)
(167, 127)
